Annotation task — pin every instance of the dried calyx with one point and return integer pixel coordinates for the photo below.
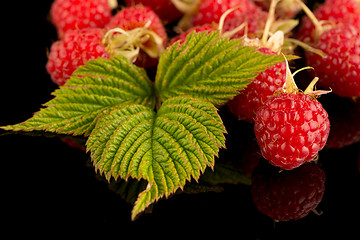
(188, 7)
(129, 43)
(276, 40)
(290, 85)
(113, 4)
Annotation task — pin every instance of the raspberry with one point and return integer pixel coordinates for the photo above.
(165, 9)
(137, 17)
(144, 39)
(344, 12)
(78, 14)
(76, 47)
(288, 195)
(340, 69)
(203, 28)
(210, 11)
(255, 19)
(291, 129)
(245, 105)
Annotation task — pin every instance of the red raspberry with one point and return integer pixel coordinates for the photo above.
(76, 47)
(78, 14)
(151, 37)
(288, 195)
(137, 17)
(255, 19)
(340, 69)
(165, 9)
(245, 105)
(203, 28)
(210, 11)
(344, 12)
(291, 129)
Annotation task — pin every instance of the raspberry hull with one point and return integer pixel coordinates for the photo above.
(291, 129)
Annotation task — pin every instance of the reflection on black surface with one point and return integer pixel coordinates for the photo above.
(288, 195)
(344, 115)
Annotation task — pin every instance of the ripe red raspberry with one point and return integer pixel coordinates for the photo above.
(78, 14)
(137, 17)
(137, 33)
(203, 28)
(255, 19)
(76, 47)
(291, 129)
(245, 105)
(340, 69)
(165, 9)
(288, 195)
(344, 12)
(210, 11)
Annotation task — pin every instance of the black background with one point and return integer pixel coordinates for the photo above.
(49, 189)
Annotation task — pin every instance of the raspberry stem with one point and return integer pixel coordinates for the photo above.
(305, 46)
(319, 28)
(269, 21)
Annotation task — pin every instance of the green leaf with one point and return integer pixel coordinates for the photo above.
(112, 103)
(166, 148)
(209, 67)
(97, 85)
